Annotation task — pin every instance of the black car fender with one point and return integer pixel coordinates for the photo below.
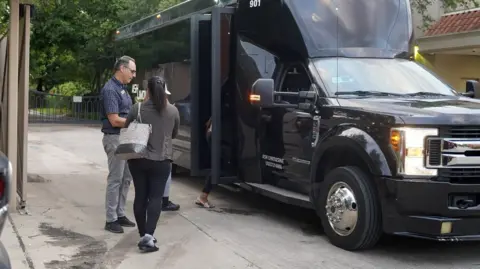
(355, 139)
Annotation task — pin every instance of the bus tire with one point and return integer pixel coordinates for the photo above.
(350, 209)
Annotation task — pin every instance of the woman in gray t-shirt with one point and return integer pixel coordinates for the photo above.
(150, 174)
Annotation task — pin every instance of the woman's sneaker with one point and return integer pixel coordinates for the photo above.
(114, 227)
(170, 207)
(147, 244)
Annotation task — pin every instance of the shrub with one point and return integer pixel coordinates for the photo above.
(71, 88)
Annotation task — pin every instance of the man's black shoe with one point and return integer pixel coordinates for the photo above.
(114, 227)
(125, 222)
(170, 207)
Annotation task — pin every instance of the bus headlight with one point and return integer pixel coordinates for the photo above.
(409, 146)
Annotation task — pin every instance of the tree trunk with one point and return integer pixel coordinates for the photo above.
(40, 85)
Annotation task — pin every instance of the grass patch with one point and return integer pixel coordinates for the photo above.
(54, 111)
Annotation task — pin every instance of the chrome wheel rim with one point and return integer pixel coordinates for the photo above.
(341, 209)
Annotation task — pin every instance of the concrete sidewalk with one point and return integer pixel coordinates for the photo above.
(64, 225)
(14, 245)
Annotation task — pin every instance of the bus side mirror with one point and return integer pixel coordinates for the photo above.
(262, 93)
(472, 89)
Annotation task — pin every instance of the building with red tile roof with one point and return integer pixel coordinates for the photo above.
(451, 47)
(456, 22)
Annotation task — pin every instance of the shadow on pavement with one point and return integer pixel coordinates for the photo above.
(415, 251)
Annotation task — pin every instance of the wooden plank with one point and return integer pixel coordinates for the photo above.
(3, 93)
(12, 114)
(23, 96)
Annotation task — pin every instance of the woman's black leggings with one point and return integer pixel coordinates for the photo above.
(207, 188)
(149, 180)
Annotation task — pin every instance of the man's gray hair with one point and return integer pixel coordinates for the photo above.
(122, 61)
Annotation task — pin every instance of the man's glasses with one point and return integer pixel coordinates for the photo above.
(133, 71)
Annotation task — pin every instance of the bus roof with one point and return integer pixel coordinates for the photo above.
(168, 16)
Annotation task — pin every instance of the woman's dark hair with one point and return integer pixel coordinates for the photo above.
(156, 88)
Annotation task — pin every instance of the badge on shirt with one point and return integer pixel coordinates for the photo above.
(123, 91)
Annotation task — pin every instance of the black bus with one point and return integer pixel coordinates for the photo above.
(317, 103)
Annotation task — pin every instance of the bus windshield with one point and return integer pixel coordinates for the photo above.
(384, 76)
(346, 27)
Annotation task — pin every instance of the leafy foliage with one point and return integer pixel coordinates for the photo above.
(70, 89)
(72, 41)
(4, 16)
(422, 7)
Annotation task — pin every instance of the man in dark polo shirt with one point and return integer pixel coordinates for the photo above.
(116, 103)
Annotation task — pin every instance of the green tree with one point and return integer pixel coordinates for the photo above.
(70, 39)
(421, 6)
(4, 16)
(73, 40)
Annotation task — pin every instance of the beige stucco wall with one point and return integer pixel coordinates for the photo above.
(435, 11)
(453, 69)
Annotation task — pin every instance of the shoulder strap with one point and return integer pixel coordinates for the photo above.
(139, 117)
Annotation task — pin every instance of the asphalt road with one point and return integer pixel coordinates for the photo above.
(245, 230)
